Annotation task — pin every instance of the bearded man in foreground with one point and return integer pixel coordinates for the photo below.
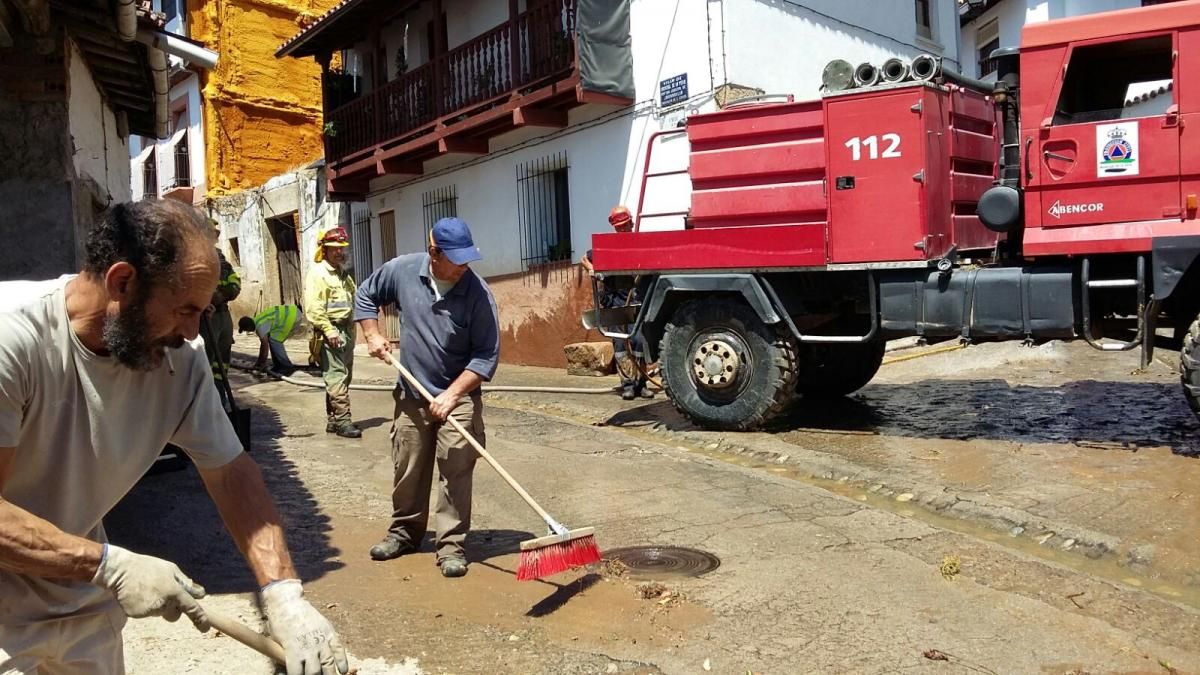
(99, 371)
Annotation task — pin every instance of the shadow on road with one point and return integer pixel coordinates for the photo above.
(171, 516)
(562, 595)
(1110, 415)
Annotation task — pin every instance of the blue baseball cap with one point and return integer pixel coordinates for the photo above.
(453, 237)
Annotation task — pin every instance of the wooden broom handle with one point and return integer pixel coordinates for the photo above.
(487, 456)
(246, 635)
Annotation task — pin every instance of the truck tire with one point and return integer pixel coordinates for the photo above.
(723, 367)
(829, 371)
(1189, 366)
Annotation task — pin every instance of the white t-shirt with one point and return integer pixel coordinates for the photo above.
(85, 429)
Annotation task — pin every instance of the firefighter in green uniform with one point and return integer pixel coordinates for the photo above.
(229, 285)
(273, 325)
(329, 304)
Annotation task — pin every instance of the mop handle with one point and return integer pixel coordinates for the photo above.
(487, 456)
(246, 635)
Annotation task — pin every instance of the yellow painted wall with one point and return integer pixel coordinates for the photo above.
(262, 115)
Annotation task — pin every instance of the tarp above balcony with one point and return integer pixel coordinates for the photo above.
(604, 44)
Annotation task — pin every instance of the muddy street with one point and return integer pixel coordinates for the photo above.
(903, 529)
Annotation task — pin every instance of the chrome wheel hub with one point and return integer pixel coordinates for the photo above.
(716, 364)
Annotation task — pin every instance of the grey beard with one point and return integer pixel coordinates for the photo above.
(125, 336)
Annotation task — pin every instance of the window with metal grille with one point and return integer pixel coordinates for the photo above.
(183, 166)
(360, 245)
(437, 204)
(544, 210)
(150, 174)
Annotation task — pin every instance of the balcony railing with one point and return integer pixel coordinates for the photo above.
(535, 49)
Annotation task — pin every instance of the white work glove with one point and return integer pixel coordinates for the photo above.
(147, 586)
(309, 642)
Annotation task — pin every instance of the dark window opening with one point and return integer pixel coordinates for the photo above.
(544, 210)
(1101, 78)
(150, 175)
(924, 24)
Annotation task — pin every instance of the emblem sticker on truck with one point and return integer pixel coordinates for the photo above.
(1059, 209)
(1117, 150)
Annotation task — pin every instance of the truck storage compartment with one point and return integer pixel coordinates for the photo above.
(758, 164)
(907, 165)
(987, 303)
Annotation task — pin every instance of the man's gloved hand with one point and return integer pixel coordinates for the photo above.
(334, 340)
(309, 642)
(147, 586)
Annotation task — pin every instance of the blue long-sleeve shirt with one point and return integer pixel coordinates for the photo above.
(440, 337)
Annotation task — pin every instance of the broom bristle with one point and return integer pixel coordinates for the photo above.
(546, 561)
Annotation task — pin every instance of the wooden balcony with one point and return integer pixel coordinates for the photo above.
(524, 72)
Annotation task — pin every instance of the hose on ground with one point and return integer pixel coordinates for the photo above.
(486, 388)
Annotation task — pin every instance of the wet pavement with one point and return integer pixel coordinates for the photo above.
(877, 534)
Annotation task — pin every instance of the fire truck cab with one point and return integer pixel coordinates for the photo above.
(1059, 202)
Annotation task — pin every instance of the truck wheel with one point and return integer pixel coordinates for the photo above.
(723, 367)
(1189, 366)
(837, 370)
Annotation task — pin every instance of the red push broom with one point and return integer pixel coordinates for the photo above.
(557, 552)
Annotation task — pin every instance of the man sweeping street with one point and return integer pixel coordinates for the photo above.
(273, 326)
(97, 373)
(329, 301)
(450, 341)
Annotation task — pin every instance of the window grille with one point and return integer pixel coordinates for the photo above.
(544, 211)
(437, 204)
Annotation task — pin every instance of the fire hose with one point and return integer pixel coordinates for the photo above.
(389, 387)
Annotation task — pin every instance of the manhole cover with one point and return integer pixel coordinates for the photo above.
(664, 560)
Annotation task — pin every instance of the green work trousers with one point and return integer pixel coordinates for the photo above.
(337, 368)
(417, 440)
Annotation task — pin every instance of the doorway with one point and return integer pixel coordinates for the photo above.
(286, 237)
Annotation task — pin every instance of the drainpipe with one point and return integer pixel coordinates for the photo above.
(158, 68)
(126, 20)
(176, 46)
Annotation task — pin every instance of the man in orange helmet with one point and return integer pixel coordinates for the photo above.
(329, 305)
(633, 385)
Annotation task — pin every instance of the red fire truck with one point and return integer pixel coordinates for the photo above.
(1059, 202)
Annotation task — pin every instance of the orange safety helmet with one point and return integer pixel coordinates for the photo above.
(334, 236)
(620, 218)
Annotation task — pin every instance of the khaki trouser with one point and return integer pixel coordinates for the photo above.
(337, 368)
(416, 441)
(86, 645)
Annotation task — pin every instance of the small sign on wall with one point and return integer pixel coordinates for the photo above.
(1117, 149)
(673, 90)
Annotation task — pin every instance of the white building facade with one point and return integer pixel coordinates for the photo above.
(173, 166)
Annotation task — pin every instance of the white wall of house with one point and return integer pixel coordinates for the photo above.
(779, 46)
(782, 46)
(183, 98)
(1011, 15)
(100, 153)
